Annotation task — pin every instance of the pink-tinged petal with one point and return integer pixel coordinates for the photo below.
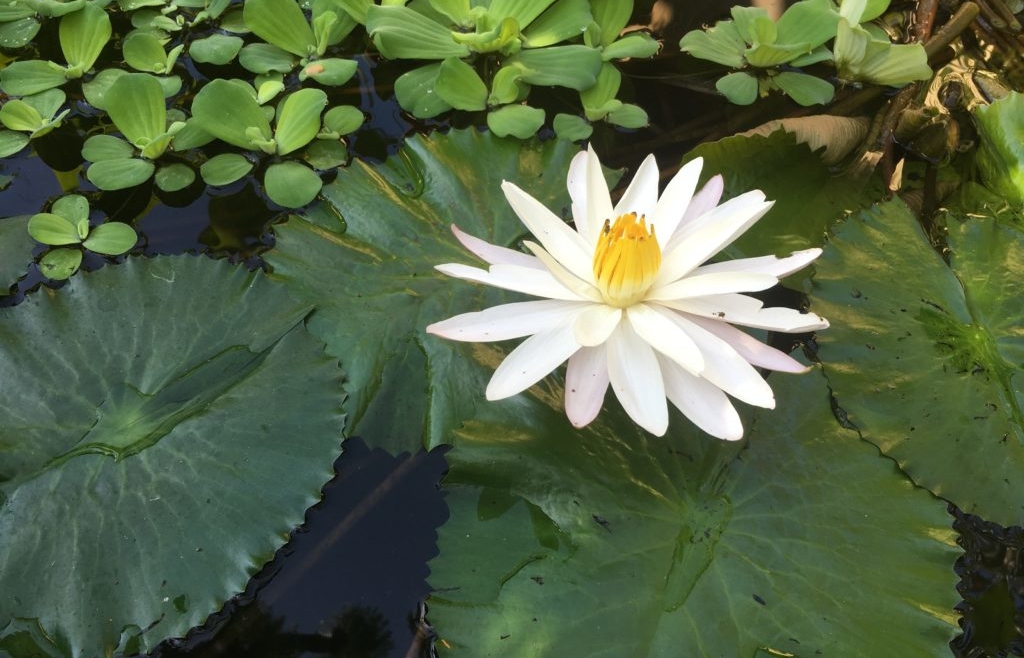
(702, 203)
(641, 197)
(507, 321)
(556, 236)
(777, 267)
(714, 283)
(492, 253)
(723, 366)
(635, 376)
(584, 288)
(751, 349)
(528, 363)
(727, 222)
(661, 333)
(586, 381)
(599, 199)
(702, 402)
(531, 281)
(596, 323)
(576, 182)
(749, 312)
(675, 200)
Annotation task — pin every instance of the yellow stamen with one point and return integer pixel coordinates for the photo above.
(626, 260)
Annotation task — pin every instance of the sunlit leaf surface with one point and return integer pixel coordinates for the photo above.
(926, 358)
(607, 542)
(163, 425)
(15, 249)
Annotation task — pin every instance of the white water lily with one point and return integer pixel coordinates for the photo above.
(628, 300)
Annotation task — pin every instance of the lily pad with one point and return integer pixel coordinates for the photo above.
(192, 433)
(607, 542)
(15, 250)
(379, 272)
(924, 357)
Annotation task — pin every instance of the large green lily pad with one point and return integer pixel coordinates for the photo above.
(607, 542)
(926, 357)
(163, 425)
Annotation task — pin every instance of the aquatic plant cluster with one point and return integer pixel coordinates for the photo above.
(166, 421)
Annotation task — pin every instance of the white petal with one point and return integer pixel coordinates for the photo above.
(530, 361)
(724, 367)
(641, 197)
(576, 182)
(599, 200)
(557, 237)
(492, 253)
(584, 288)
(702, 202)
(531, 281)
(635, 377)
(751, 349)
(749, 312)
(714, 283)
(702, 402)
(664, 335)
(675, 200)
(777, 267)
(704, 239)
(586, 380)
(507, 321)
(596, 323)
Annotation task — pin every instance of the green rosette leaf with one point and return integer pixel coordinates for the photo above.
(27, 77)
(59, 264)
(459, 85)
(174, 177)
(215, 49)
(402, 33)
(53, 229)
(119, 174)
(291, 185)
(136, 106)
(298, 119)
(83, 35)
(111, 239)
(281, 23)
(521, 121)
(415, 92)
(225, 169)
(227, 109)
(197, 432)
(575, 67)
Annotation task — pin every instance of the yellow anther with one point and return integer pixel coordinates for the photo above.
(626, 260)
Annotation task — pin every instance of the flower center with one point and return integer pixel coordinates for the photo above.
(626, 260)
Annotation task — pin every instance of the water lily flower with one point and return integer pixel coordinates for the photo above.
(629, 301)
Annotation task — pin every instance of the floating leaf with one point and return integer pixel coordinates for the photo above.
(459, 85)
(740, 88)
(15, 249)
(1001, 153)
(53, 229)
(193, 432)
(174, 177)
(106, 147)
(282, 23)
(563, 20)
(119, 174)
(27, 77)
(96, 89)
(264, 58)
(19, 33)
(298, 119)
(136, 106)
(330, 71)
(11, 142)
(560, 538)
(57, 264)
(575, 67)
(402, 33)
(571, 127)
(415, 92)
(227, 109)
(111, 239)
(342, 120)
(225, 168)
(291, 184)
(215, 49)
(83, 35)
(520, 121)
(144, 51)
(923, 356)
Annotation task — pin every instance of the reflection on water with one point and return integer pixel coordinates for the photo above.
(350, 582)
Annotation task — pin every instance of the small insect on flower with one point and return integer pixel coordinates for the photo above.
(627, 299)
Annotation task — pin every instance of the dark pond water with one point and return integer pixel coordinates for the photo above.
(352, 580)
